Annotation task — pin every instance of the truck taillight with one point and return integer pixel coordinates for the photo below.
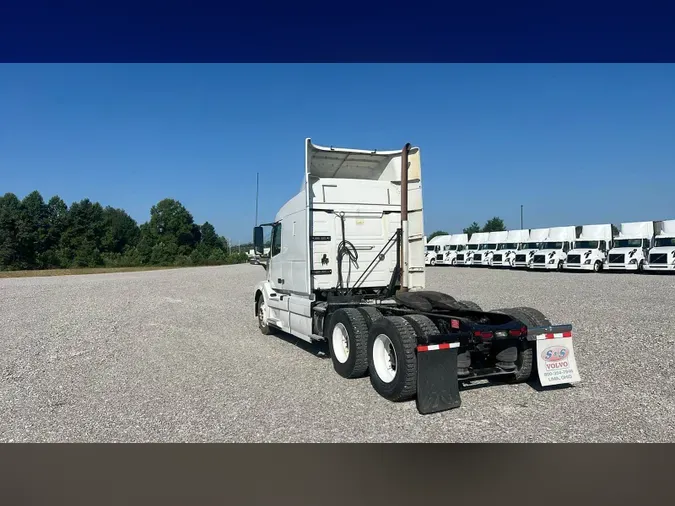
(518, 332)
(454, 324)
(484, 335)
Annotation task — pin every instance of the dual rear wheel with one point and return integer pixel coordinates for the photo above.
(362, 343)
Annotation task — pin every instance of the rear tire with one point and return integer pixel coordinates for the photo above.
(525, 363)
(391, 358)
(370, 314)
(423, 326)
(347, 340)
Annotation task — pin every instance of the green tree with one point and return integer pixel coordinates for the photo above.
(171, 222)
(10, 218)
(33, 229)
(121, 231)
(80, 244)
(495, 224)
(437, 233)
(57, 219)
(472, 229)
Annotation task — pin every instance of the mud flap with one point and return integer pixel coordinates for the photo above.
(437, 385)
(555, 359)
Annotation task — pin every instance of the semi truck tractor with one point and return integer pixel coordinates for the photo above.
(553, 251)
(483, 257)
(475, 241)
(346, 266)
(434, 248)
(456, 245)
(590, 248)
(523, 257)
(631, 247)
(505, 255)
(662, 254)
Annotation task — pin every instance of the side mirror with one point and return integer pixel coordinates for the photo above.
(258, 241)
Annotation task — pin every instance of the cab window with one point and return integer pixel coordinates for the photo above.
(276, 240)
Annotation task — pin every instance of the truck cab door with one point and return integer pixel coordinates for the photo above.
(278, 299)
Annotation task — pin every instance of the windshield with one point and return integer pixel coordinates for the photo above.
(628, 243)
(451, 247)
(472, 246)
(488, 246)
(665, 241)
(431, 248)
(508, 245)
(530, 245)
(552, 245)
(586, 244)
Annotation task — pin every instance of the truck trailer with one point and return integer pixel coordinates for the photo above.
(505, 255)
(483, 256)
(346, 266)
(475, 241)
(525, 254)
(590, 248)
(662, 255)
(553, 251)
(631, 247)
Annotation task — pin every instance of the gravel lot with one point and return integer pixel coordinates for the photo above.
(177, 356)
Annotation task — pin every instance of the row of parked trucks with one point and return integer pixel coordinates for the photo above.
(638, 246)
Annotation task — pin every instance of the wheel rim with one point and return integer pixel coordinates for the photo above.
(340, 343)
(384, 358)
(261, 313)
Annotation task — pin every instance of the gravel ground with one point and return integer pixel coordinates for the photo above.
(177, 356)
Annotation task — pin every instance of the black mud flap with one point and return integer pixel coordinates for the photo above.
(437, 385)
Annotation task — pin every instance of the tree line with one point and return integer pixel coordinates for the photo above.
(35, 234)
(495, 224)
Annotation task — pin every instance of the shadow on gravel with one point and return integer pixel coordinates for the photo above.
(318, 349)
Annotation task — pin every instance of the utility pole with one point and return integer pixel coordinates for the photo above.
(257, 183)
(521, 216)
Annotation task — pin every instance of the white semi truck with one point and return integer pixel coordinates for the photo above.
(483, 256)
(590, 248)
(630, 249)
(553, 251)
(434, 249)
(662, 255)
(525, 254)
(347, 266)
(456, 245)
(505, 256)
(472, 247)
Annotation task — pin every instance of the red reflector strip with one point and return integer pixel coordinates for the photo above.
(557, 335)
(484, 335)
(434, 347)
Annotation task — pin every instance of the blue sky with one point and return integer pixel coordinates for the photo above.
(575, 144)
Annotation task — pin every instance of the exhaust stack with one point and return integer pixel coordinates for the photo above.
(404, 218)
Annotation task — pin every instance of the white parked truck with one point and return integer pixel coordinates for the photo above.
(525, 254)
(483, 256)
(505, 256)
(590, 248)
(450, 251)
(631, 246)
(346, 266)
(553, 251)
(662, 255)
(434, 249)
(472, 247)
